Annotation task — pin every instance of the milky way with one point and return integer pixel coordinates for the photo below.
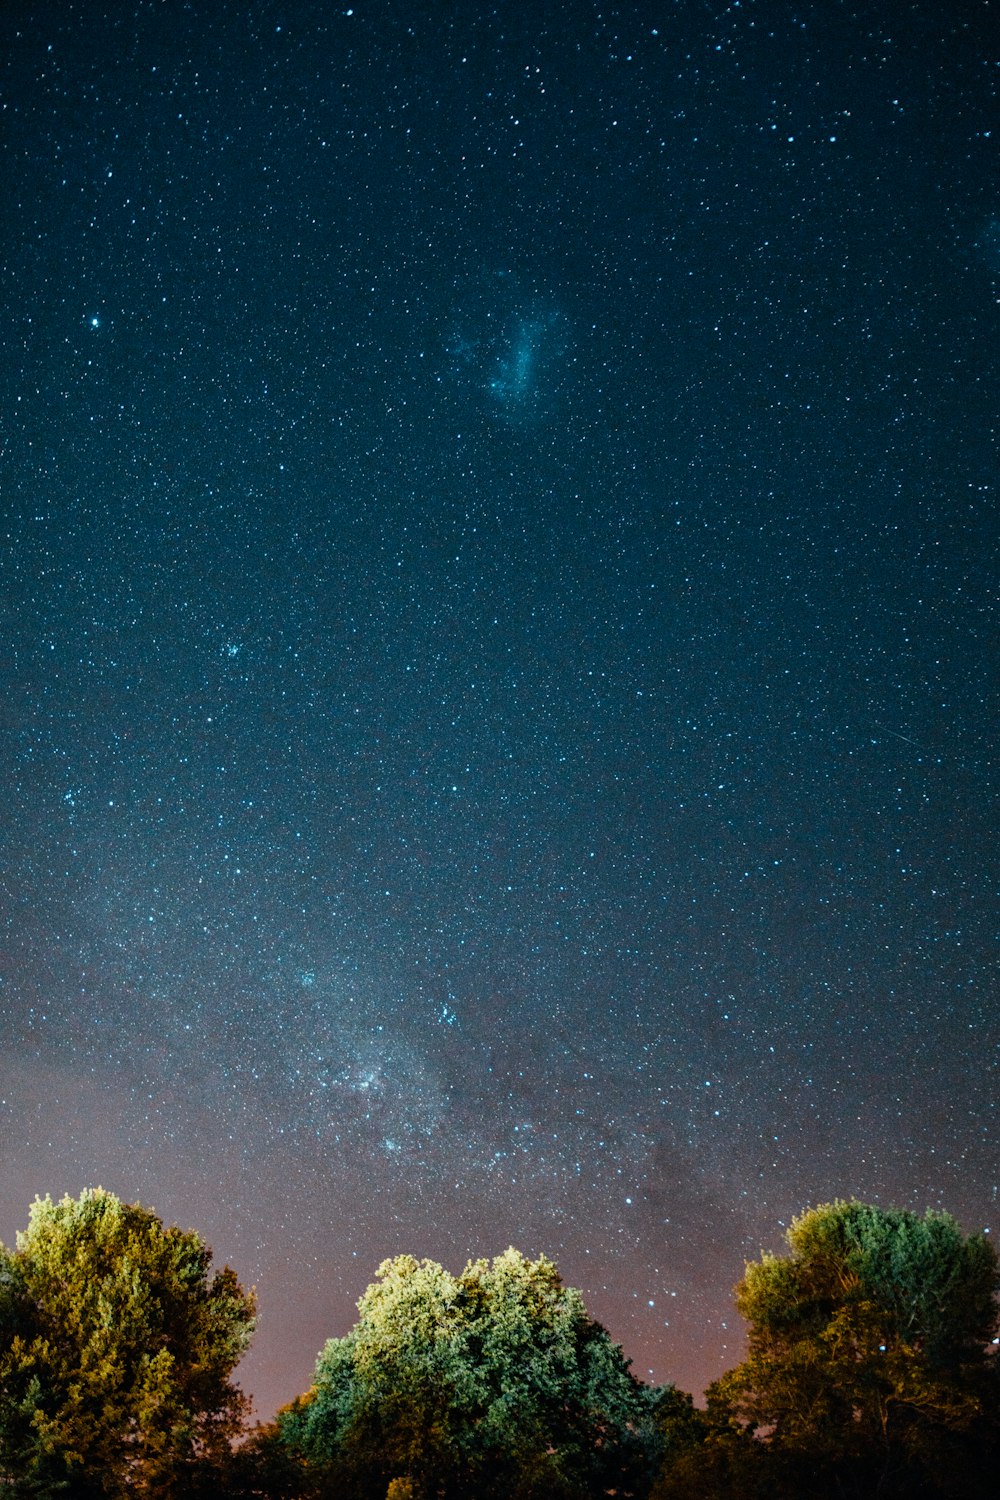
(499, 717)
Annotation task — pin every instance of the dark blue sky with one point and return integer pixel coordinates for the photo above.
(498, 635)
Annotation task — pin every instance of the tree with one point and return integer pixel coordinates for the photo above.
(116, 1346)
(494, 1382)
(869, 1357)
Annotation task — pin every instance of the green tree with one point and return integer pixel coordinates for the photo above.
(494, 1382)
(868, 1371)
(116, 1346)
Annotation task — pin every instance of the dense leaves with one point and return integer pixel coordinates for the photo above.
(871, 1374)
(494, 1382)
(116, 1346)
(868, 1371)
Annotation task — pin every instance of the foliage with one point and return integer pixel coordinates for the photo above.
(870, 1373)
(868, 1359)
(264, 1466)
(116, 1346)
(494, 1382)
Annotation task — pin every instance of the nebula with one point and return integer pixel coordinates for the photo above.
(506, 347)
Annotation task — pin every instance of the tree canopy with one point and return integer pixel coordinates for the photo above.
(871, 1374)
(869, 1349)
(493, 1382)
(117, 1341)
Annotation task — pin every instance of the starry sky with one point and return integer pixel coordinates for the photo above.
(498, 635)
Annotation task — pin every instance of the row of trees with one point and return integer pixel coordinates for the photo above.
(871, 1372)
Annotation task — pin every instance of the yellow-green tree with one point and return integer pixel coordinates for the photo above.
(117, 1341)
(495, 1382)
(869, 1368)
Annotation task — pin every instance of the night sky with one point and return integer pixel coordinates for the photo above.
(499, 692)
